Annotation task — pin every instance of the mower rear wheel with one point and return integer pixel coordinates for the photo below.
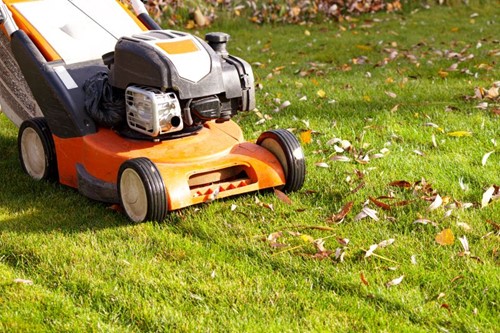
(142, 191)
(285, 146)
(36, 149)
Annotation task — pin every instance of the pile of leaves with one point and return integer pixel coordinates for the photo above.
(202, 13)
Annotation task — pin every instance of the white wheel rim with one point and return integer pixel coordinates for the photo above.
(274, 147)
(33, 153)
(133, 195)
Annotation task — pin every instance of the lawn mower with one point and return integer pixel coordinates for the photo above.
(109, 103)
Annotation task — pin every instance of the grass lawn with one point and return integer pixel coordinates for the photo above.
(391, 112)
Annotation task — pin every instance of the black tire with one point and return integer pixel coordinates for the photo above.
(142, 191)
(285, 146)
(36, 149)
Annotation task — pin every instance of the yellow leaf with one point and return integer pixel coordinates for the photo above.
(307, 33)
(364, 47)
(454, 29)
(442, 74)
(389, 80)
(367, 98)
(305, 136)
(321, 93)
(190, 25)
(445, 237)
(307, 238)
(460, 133)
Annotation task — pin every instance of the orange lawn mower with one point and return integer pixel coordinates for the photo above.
(109, 103)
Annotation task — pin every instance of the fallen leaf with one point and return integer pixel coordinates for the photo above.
(425, 221)
(446, 306)
(391, 94)
(443, 74)
(363, 279)
(456, 278)
(370, 250)
(482, 106)
(487, 196)
(365, 212)
(283, 197)
(305, 136)
(343, 213)
(320, 245)
(464, 226)
(340, 158)
(307, 238)
(322, 165)
(495, 225)
(359, 187)
(436, 203)
(321, 93)
(343, 241)
(459, 133)
(380, 204)
(23, 281)
(386, 242)
(395, 282)
(400, 183)
(465, 244)
(445, 237)
(485, 157)
(274, 236)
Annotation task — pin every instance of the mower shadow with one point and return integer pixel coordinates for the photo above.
(33, 206)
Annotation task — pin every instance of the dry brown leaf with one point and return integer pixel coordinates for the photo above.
(283, 197)
(445, 237)
(343, 213)
(380, 204)
(495, 225)
(363, 279)
(446, 306)
(359, 187)
(400, 183)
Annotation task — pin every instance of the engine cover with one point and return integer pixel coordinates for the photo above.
(209, 83)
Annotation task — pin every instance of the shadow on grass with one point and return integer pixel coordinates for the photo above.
(40, 206)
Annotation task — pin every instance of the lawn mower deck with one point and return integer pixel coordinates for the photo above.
(129, 113)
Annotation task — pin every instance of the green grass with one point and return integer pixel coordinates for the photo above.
(209, 268)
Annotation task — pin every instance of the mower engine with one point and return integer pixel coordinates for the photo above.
(174, 81)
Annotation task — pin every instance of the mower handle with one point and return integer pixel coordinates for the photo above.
(7, 20)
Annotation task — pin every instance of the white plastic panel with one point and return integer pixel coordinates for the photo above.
(110, 15)
(74, 35)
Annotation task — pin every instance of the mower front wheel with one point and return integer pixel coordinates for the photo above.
(142, 191)
(285, 146)
(36, 149)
